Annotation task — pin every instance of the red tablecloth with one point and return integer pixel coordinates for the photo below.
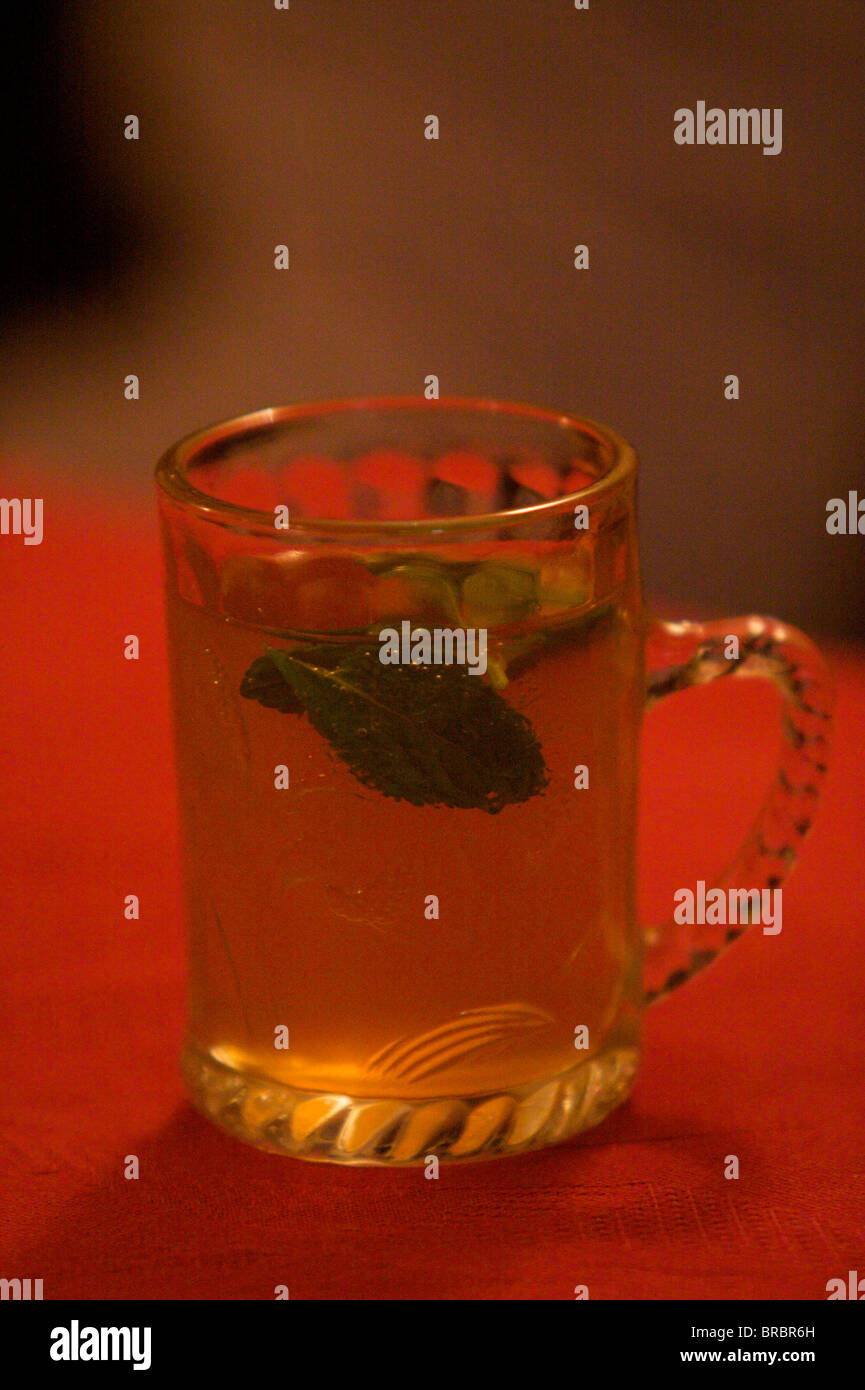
(762, 1057)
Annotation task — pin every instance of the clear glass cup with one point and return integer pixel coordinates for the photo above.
(410, 659)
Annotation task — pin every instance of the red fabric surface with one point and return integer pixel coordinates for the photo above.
(761, 1057)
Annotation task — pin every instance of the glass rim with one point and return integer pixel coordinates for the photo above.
(172, 476)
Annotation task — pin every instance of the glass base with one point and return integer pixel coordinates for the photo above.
(334, 1128)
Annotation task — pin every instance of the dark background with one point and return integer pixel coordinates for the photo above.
(455, 257)
(411, 257)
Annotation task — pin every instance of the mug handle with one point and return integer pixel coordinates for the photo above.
(684, 654)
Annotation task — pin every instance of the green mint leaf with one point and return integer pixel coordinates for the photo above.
(429, 735)
(264, 683)
(496, 594)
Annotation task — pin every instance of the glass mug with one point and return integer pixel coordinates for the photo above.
(409, 660)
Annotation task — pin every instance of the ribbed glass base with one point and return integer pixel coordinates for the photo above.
(339, 1128)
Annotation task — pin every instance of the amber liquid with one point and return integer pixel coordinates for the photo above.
(310, 909)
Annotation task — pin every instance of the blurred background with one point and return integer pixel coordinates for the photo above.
(411, 256)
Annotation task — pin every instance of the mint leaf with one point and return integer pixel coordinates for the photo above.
(264, 683)
(497, 594)
(429, 735)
